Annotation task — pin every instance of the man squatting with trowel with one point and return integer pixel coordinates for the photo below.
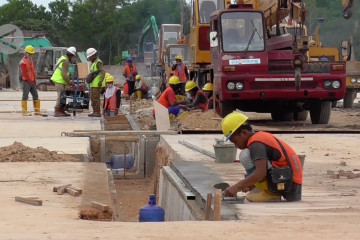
(273, 168)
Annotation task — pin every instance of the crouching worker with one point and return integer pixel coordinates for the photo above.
(112, 97)
(212, 102)
(168, 98)
(141, 89)
(198, 99)
(272, 166)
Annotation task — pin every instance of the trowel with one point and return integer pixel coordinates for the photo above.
(225, 185)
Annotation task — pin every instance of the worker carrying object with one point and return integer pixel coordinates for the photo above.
(198, 98)
(168, 99)
(181, 71)
(97, 83)
(274, 168)
(112, 97)
(27, 68)
(208, 92)
(130, 73)
(141, 88)
(61, 78)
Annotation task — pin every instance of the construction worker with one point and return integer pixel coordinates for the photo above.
(271, 158)
(130, 73)
(141, 88)
(61, 78)
(180, 70)
(168, 99)
(97, 83)
(112, 97)
(198, 98)
(27, 68)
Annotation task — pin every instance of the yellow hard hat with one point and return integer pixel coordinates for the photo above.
(138, 77)
(30, 49)
(208, 87)
(231, 123)
(190, 85)
(178, 57)
(174, 80)
(109, 78)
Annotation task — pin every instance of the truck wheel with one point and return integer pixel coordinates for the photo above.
(301, 116)
(320, 112)
(226, 108)
(350, 95)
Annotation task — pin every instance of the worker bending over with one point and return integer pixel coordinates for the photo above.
(168, 99)
(273, 167)
(130, 73)
(180, 70)
(97, 82)
(112, 97)
(27, 68)
(61, 78)
(198, 99)
(141, 88)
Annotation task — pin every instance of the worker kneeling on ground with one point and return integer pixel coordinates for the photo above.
(168, 99)
(27, 68)
(112, 97)
(212, 102)
(141, 88)
(198, 98)
(61, 79)
(273, 167)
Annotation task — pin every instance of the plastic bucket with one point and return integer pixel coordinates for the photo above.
(224, 152)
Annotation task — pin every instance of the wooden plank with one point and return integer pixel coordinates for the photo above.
(208, 206)
(76, 189)
(217, 205)
(62, 186)
(60, 191)
(100, 206)
(29, 200)
(72, 192)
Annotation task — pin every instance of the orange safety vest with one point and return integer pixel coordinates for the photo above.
(181, 74)
(269, 140)
(110, 103)
(29, 74)
(162, 99)
(216, 104)
(126, 89)
(203, 106)
(129, 72)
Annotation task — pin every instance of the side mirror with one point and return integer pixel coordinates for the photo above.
(213, 39)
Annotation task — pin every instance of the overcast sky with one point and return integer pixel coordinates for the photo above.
(37, 2)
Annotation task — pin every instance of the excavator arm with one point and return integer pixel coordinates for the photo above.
(150, 24)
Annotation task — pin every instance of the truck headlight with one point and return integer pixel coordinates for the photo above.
(353, 80)
(335, 84)
(327, 84)
(230, 86)
(239, 86)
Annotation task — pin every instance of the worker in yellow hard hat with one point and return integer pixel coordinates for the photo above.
(181, 71)
(141, 88)
(208, 92)
(272, 166)
(112, 97)
(198, 99)
(168, 99)
(28, 77)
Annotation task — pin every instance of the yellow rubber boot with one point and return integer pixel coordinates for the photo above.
(24, 108)
(260, 195)
(139, 94)
(36, 104)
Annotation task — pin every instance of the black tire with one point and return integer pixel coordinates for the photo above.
(320, 112)
(350, 95)
(301, 116)
(226, 107)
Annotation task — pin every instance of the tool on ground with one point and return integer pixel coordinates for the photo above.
(196, 148)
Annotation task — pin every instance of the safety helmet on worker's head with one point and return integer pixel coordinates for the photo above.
(90, 52)
(174, 80)
(208, 87)
(178, 57)
(190, 85)
(231, 123)
(138, 77)
(129, 60)
(30, 49)
(109, 78)
(71, 50)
